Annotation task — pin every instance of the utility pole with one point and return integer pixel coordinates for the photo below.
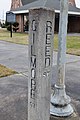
(60, 102)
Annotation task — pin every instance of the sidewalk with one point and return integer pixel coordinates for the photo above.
(13, 89)
(13, 97)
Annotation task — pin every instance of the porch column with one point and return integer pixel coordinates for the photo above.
(20, 20)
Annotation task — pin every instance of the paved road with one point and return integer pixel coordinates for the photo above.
(14, 56)
(13, 89)
(13, 98)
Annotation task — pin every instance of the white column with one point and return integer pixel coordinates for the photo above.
(41, 30)
(60, 102)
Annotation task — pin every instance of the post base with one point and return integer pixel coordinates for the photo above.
(60, 102)
(74, 116)
(61, 112)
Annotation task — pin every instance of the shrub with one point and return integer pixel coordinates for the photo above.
(15, 26)
(7, 23)
(9, 28)
(3, 25)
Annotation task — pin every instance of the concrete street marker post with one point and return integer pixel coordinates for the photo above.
(60, 102)
(41, 31)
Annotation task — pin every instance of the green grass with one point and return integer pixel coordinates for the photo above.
(73, 42)
(4, 71)
(73, 45)
(18, 38)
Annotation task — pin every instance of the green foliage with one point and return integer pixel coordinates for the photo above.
(3, 25)
(7, 23)
(15, 26)
(9, 28)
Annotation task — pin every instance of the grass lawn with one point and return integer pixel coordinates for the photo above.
(6, 71)
(18, 38)
(73, 42)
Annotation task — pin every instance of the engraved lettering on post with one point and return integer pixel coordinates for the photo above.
(48, 43)
(33, 66)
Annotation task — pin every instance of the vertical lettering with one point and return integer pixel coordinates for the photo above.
(33, 61)
(33, 72)
(47, 51)
(33, 87)
(48, 36)
(48, 43)
(33, 66)
(47, 62)
(48, 27)
(34, 25)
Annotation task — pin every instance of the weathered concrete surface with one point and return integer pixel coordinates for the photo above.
(40, 67)
(13, 97)
(14, 56)
(74, 116)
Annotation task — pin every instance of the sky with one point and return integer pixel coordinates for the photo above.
(4, 6)
(77, 3)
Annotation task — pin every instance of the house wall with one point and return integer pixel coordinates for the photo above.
(73, 23)
(15, 4)
(72, 2)
(20, 20)
(56, 28)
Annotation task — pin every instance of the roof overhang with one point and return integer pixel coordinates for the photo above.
(69, 12)
(20, 12)
(56, 11)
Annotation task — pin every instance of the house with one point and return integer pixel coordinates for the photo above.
(21, 9)
(21, 17)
